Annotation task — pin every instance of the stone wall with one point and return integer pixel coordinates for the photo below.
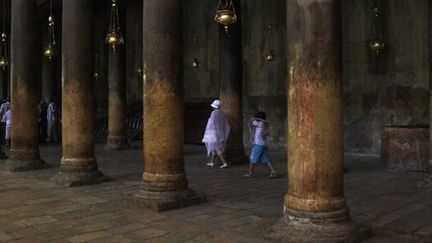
(391, 89)
(394, 90)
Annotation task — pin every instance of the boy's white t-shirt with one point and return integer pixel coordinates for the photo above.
(260, 133)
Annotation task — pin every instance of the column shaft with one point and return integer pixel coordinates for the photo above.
(49, 75)
(164, 181)
(117, 107)
(430, 87)
(315, 208)
(117, 104)
(78, 164)
(25, 53)
(230, 86)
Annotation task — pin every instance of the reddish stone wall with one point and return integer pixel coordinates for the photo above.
(405, 148)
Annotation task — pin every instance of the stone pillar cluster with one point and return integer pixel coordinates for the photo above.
(315, 208)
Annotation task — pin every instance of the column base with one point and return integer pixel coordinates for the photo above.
(163, 201)
(299, 229)
(71, 179)
(116, 143)
(25, 164)
(115, 146)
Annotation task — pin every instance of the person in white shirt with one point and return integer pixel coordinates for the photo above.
(259, 153)
(216, 135)
(5, 107)
(51, 121)
(7, 119)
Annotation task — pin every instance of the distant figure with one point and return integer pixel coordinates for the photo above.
(216, 134)
(7, 119)
(51, 121)
(259, 153)
(5, 107)
(42, 110)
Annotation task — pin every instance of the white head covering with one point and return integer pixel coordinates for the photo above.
(216, 104)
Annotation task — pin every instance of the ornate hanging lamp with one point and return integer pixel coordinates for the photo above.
(114, 36)
(50, 48)
(3, 48)
(225, 13)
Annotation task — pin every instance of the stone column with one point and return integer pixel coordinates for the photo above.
(117, 106)
(430, 88)
(49, 75)
(164, 183)
(315, 208)
(78, 164)
(25, 54)
(230, 86)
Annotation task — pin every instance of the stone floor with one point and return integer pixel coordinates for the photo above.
(32, 209)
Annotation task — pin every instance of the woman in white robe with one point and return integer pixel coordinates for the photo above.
(216, 135)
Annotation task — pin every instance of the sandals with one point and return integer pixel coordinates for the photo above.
(248, 176)
(273, 175)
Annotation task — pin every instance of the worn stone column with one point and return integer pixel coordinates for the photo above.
(315, 208)
(78, 164)
(230, 86)
(117, 107)
(164, 183)
(25, 53)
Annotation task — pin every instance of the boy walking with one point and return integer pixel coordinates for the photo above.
(259, 153)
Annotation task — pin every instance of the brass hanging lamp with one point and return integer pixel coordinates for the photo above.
(114, 36)
(225, 13)
(3, 48)
(50, 48)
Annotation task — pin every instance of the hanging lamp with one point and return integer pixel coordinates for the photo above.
(3, 48)
(377, 43)
(49, 50)
(225, 13)
(114, 36)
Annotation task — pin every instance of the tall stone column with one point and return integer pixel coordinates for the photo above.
(78, 164)
(164, 183)
(25, 53)
(315, 208)
(117, 106)
(230, 86)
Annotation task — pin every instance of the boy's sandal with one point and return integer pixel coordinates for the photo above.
(273, 176)
(248, 176)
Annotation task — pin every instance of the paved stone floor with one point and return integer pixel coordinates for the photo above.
(32, 209)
